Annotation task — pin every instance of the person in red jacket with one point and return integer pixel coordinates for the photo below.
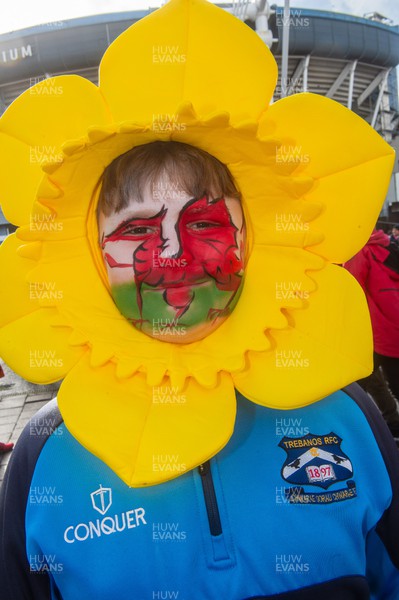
(376, 268)
(6, 447)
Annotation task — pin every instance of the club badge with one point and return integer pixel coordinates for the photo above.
(316, 460)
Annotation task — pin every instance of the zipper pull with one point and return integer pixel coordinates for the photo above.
(204, 468)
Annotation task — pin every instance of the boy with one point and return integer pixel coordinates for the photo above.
(276, 514)
(150, 485)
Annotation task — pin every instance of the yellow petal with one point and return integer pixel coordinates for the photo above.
(276, 279)
(146, 434)
(17, 192)
(192, 429)
(54, 111)
(37, 351)
(50, 227)
(195, 52)
(349, 161)
(357, 193)
(32, 131)
(69, 280)
(16, 293)
(328, 346)
(274, 211)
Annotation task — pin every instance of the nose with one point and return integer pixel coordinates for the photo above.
(171, 246)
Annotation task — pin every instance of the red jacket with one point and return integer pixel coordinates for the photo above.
(381, 286)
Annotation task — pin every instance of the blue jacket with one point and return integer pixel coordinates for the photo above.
(300, 505)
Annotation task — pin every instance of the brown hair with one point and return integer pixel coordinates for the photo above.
(195, 172)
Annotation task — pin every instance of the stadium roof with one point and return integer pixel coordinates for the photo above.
(62, 46)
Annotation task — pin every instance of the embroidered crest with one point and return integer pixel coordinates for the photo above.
(315, 460)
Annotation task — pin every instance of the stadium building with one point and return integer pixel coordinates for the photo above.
(350, 59)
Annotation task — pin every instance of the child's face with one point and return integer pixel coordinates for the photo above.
(175, 264)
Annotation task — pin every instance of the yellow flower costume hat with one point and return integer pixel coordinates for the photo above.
(313, 176)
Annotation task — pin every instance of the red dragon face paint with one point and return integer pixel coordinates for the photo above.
(175, 266)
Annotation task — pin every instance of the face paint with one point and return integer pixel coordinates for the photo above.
(175, 267)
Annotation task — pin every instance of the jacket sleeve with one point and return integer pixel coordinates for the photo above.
(359, 267)
(382, 574)
(17, 580)
(383, 541)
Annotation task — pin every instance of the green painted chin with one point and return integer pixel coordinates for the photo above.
(208, 308)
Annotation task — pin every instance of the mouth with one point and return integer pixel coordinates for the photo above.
(176, 285)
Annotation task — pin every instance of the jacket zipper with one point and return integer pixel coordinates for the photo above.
(212, 509)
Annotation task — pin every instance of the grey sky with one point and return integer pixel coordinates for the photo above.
(17, 14)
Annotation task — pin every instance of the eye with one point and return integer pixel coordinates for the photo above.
(139, 230)
(201, 225)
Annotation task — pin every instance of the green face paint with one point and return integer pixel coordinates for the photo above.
(158, 318)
